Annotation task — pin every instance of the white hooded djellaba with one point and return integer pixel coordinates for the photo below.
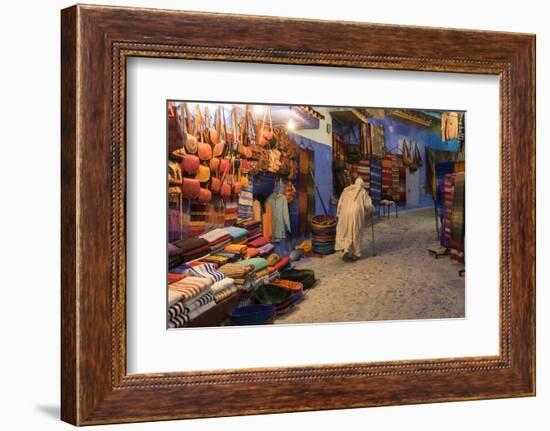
(354, 206)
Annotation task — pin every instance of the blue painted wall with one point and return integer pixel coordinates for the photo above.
(322, 172)
(397, 130)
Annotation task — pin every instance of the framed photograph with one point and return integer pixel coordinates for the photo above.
(320, 222)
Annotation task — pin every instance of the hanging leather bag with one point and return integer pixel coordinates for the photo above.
(191, 188)
(204, 196)
(204, 148)
(203, 173)
(190, 164)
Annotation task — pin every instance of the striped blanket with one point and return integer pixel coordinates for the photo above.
(206, 270)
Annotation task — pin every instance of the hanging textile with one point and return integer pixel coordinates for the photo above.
(387, 177)
(458, 213)
(231, 211)
(310, 191)
(245, 203)
(366, 146)
(448, 199)
(433, 157)
(197, 223)
(376, 180)
(338, 152)
(398, 180)
(303, 190)
(378, 140)
(363, 170)
(174, 225)
(449, 126)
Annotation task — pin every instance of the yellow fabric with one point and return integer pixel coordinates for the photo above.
(257, 210)
(267, 221)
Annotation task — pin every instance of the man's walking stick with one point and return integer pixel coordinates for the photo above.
(372, 232)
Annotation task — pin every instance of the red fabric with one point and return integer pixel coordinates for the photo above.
(284, 261)
(258, 242)
(196, 250)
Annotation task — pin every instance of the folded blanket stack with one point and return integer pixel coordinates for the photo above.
(237, 234)
(238, 272)
(208, 271)
(266, 249)
(184, 312)
(187, 288)
(258, 263)
(281, 265)
(238, 249)
(254, 228)
(192, 248)
(252, 252)
(217, 259)
(272, 259)
(258, 242)
(217, 239)
(224, 289)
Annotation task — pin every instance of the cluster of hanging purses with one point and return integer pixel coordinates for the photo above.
(265, 137)
(274, 163)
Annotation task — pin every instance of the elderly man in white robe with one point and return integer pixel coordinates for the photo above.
(354, 207)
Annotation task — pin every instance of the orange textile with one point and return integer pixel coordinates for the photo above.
(236, 248)
(295, 286)
(252, 252)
